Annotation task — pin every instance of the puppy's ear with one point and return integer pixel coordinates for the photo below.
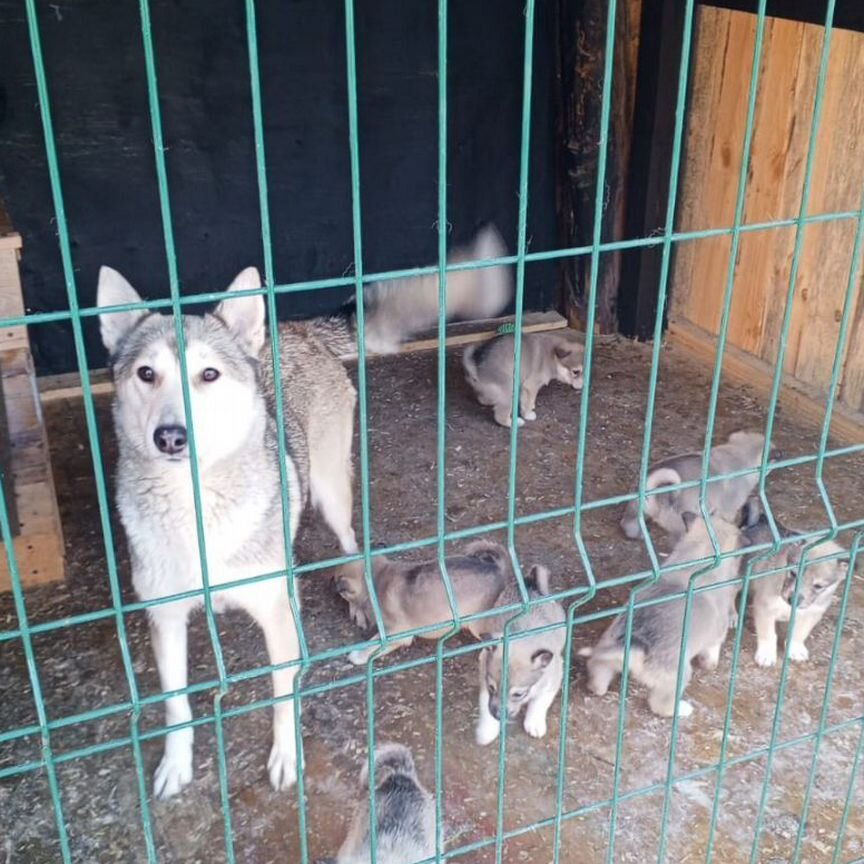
(541, 659)
(114, 290)
(244, 316)
(563, 350)
(688, 519)
(793, 553)
(538, 579)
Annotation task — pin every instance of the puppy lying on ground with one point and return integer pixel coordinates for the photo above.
(535, 663)
(544, 357)
(772, 594)
(655, 644)
(412, 595)
(724, 497)
(404, 814)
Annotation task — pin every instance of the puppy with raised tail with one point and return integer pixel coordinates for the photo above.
(724, 497)
(535, 662)
(655, 644)
(404, 814)
(544, 357)
(413, 595)
(772, 594)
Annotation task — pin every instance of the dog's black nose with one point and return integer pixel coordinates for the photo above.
(170, 439)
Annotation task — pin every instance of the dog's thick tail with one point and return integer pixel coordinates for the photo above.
(398, 309)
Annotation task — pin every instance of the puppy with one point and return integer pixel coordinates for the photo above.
(724, 497)
(655, 644)
(404, 814)
(535, 662)
(772, 594)
(545, 357)
(413, 595)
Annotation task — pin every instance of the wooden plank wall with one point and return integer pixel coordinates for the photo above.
(789, 67)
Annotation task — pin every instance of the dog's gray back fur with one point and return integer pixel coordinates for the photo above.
(657, 630)
(724, 497)
(404, 813)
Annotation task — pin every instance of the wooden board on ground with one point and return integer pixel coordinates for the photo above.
(847, 426)
(463, 333)
(28, 483)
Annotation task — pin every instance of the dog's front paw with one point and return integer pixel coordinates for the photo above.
(359, 657)
(282, 766)
(530, 415)
(798, 652)
(487, 731)
(766, 655)
(535, 725)
(174, 772)
(685, 709)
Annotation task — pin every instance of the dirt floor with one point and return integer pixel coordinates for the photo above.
(81, 668)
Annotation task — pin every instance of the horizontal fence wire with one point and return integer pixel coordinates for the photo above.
(130, 708)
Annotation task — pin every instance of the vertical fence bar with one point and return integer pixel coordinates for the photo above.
(683, 73)
(597, 232)
(95, 449)
(357, 232)
(522, 230)
(442, 426)
(174, 290)
(775, 392)
(272, 315)
(850, 795)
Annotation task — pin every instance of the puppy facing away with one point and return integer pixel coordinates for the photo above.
(724, 498)
(413, 595)
(232, 405)
(544, 357)
(772, 595)
(655, 645)
(535, 662)
(404, 814)
(397, 309)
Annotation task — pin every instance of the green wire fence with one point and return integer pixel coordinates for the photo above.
(576, 597)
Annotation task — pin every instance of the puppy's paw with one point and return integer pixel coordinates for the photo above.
(487, 731)
(282, 765)
(685, 709)
(798, 652)
(766, 655)
(174, 772)
(358, 657)
(535, 726)
(530, 415)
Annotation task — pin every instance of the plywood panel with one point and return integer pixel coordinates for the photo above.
(785, 95)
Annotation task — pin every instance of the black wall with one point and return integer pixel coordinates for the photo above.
(95, 68)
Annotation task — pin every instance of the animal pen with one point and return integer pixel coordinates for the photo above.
(710, 200)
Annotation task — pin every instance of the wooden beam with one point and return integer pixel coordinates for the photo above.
(804, 402)
(848, 14)
(660, 41)
(68, 385)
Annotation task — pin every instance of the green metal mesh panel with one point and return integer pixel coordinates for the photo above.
(575, 598)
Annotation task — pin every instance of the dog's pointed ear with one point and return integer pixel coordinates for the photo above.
(688, 519)
(114, 290)
(244, 316)
(541, 659)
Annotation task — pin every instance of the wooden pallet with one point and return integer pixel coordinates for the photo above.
(28, 484)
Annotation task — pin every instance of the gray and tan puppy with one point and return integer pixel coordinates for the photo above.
(412, 595)
(404, 814)
(772, 594)
(535, 663)
(545, 357)
(655, 645)
(724, 498)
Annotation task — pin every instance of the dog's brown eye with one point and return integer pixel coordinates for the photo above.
(210, 374)
(146, 373)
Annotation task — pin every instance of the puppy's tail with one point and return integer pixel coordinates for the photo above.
(492, 553)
